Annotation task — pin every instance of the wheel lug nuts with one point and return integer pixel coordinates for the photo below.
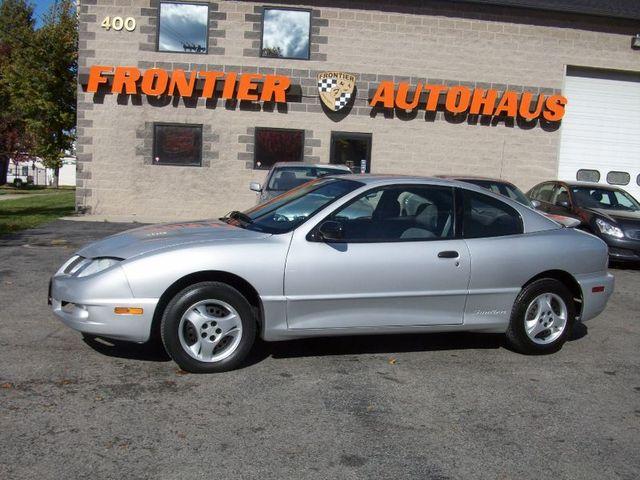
(212, 337)
(213, 324)
(204, 335)
(218, 330)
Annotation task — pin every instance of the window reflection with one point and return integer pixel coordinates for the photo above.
(285, 33)
(183, 27)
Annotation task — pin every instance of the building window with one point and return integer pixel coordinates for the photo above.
(638, 180)
(183, 27)
(585, 175)
(177, 144)
(277, 145)
(286, 33)
(618, 178)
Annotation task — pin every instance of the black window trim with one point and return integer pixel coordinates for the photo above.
(174, 124)
(264, 8)
(618, 184)
(158, 25)
(460, 215)
(588, 170)
(312, 235)
(255, 143)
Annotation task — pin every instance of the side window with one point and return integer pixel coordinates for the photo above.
(545, 193)
(488, 217)
(560, 195)
(398, 213)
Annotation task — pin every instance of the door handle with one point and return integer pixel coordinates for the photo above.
(448, 254)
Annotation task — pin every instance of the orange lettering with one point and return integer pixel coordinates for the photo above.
(154, 82)
(274, 88)
(179, 82)
(247, 86)
(96, 78)
(403, 92)
(229, 85)
(458, 99)
(125, 79)
(481, 102)
(525, 106)
(384, 94)
(434, 96)
(555, 108)
(209, 82)
(508, 104)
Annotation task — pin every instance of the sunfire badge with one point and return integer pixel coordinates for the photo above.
(336, 89)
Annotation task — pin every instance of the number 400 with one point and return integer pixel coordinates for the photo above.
(118, 23)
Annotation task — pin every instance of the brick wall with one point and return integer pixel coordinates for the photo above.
(412, 41)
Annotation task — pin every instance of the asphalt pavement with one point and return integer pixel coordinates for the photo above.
(440, 406)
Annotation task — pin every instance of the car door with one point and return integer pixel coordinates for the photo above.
(399, 263)
(493, 231)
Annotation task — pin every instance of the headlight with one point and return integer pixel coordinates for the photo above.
(608, 229)
(89, 266)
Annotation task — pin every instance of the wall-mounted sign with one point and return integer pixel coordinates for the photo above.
(206, 84)
(335, 89)
(460, 99)
(118, 23)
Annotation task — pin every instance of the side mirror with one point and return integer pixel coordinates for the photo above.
(535, 204)
(563, 204)
(331, 231)
(255, 186)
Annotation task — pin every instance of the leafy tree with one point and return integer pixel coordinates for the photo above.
(16, 37)
(39, 78)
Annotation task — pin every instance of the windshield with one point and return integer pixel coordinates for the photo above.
(289, 210)
(594, 197)
(286, 178)
(506, 189)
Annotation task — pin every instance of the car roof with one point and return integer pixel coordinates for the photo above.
(464, 178)
(575, 183)
(313, 165)
(387, 179)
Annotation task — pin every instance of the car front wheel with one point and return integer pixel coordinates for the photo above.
(208, 327)
(542, 317)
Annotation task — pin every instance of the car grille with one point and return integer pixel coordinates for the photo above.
(635, 234)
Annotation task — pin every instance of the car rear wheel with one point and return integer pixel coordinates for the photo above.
(208, 327)
(542, 317)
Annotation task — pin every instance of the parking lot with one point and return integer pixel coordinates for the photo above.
(440, 406)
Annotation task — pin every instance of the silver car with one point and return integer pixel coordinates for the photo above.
(284, 176)
(340, 255)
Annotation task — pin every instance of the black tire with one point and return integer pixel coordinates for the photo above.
(17, 183)
(516, 334)
(190, 296)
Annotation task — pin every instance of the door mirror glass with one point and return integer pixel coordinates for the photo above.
(255, 186)
(535, 204)
(562, 203)
(331, 231)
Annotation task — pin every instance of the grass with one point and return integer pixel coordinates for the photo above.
(29, 189)
(21, 213)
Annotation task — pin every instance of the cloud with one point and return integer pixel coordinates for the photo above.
(287, 29)
(182, 24)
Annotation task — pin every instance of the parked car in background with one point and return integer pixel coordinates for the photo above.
(606, 211)
(508, 189)
(284, 176)
(346, 255)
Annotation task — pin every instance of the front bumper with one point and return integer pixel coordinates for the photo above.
(594, 302)
(87, 305)
(623, 249)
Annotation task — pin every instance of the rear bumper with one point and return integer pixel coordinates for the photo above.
(594, 298)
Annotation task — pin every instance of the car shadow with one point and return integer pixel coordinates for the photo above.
(150, 352)
(624, 265)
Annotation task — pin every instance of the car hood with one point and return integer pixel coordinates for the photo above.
(154, 237)
(618, 215)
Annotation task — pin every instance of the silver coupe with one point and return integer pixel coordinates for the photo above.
(345, 255)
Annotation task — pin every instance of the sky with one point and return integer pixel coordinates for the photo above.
(40, 7)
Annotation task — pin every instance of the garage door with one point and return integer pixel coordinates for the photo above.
(600, 133)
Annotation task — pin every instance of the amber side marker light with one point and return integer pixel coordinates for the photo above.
(598, 289)
(127, 311)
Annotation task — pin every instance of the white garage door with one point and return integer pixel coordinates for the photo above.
(601, 128)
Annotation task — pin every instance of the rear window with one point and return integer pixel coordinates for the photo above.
(488, 217)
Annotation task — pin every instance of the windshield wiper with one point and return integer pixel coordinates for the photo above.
(238, 215)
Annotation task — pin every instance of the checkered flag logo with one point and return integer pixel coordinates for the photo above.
(336, 89)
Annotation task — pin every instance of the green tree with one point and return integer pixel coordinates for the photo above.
(40, 80)
(17, 36)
